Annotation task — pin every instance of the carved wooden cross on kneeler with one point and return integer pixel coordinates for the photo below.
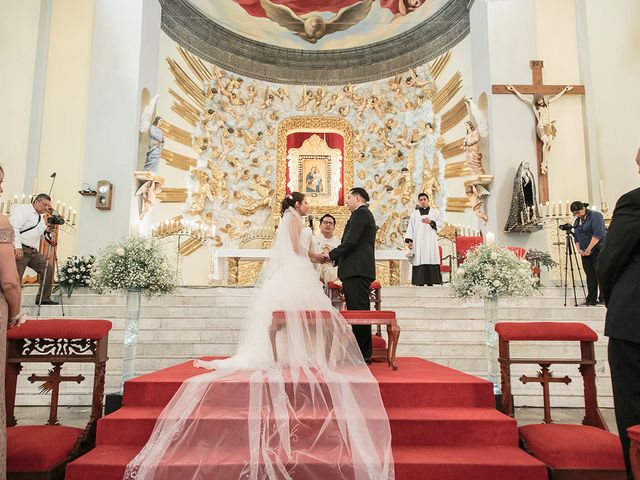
(545, 377)
(52, 384)
(539, 88)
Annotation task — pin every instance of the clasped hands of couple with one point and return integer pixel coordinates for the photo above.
(319, 257)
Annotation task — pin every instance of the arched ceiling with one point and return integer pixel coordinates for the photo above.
(316, 42)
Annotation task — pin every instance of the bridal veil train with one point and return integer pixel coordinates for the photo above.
(313, 410)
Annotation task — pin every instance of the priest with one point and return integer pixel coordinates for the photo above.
(422, 240)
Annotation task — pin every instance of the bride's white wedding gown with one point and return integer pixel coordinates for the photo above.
(316, 412)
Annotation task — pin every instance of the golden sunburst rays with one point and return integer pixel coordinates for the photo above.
(457, 204)
(439, 64)
(173, 195)
(453, 116)
(456, 169)
(453, 148)
(447, 92)
(177, 160)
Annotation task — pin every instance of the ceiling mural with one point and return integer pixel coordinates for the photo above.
(318, 24)
(316, 42)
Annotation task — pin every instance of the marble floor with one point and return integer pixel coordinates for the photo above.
(78, 416)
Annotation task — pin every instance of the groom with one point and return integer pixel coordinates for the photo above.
(356, 262)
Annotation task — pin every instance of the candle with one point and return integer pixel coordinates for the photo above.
(553, 209)
(567, 211)
(490, 238)
(528, 215)
(73, 219)
(546, 209)
(522, 217)
(64, 209)
(23, 198)
(602, 199)
(30, 198)
(58, 206)
(1, 207)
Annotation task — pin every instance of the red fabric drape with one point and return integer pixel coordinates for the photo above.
(334, 140)
(302, 7)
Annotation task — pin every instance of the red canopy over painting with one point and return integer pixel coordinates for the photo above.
(302, 7)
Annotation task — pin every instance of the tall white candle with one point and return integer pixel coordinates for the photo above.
(602, 199)
(567, 211)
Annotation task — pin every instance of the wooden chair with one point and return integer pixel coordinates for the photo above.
(588, 451)
(445, 267)
(41, 452)
(379, 318)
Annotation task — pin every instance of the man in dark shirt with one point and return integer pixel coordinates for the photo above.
(589, 233)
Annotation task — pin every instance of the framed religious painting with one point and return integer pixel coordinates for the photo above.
(315, 157)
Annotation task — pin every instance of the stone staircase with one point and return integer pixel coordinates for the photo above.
(203, 321)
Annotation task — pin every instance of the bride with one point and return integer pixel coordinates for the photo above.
(296, 401)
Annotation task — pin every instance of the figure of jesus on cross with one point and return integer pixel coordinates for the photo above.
(545, 126)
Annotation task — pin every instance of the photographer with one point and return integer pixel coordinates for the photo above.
(589, 231)
(29, 225)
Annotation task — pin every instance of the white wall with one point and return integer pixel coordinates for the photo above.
(19, 26)
(613, 35)
(123, 63)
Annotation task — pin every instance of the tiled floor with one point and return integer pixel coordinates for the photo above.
(78, 416)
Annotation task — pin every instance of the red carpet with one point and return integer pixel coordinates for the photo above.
(443, 422)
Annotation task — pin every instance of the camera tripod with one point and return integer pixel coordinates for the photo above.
(569, 256)
(51, 255)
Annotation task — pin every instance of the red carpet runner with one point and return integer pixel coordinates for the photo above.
(443, 422)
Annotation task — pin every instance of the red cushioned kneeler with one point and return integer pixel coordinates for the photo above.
(41, 452)
(571, 452)
(634, 450)
(573, 447)
(38, 448)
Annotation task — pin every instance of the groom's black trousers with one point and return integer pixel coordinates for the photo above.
(356, 293)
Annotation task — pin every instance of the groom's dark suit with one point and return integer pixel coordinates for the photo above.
(355, 258)
(619, 276)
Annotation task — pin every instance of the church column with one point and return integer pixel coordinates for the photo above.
(124, 61)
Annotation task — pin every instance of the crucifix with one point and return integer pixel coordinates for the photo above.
(545, 377)
(52, 384)
(545, 128)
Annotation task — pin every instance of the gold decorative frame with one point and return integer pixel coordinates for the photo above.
(316, 124)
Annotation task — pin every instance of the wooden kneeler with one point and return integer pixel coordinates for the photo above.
(571, 452)
(41, 452)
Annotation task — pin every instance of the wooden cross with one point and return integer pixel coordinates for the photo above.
(539, 88)
(52, 384)
(545, 377)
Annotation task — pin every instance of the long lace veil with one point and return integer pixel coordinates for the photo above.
(295, 401)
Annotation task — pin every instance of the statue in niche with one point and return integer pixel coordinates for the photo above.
(156, 142)
(545, 127)
(430, 180)
(524, 206)
(472, 150)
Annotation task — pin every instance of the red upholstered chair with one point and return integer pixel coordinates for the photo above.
(42, 451)
(519, 251)
(587, 451)
(634, 450)
(463, 245)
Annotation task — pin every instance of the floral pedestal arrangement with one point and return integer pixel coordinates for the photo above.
(491, 271)
(137, 266)
(75, 272)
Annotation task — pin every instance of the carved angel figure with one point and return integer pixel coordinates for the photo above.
(313, 27)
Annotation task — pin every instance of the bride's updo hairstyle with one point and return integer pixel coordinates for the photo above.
(290, 201)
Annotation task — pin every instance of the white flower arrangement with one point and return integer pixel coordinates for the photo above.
(491, 270)
(75, 272)
(132, 264)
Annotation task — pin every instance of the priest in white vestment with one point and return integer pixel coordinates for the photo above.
(422, 239)
(323, 243)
